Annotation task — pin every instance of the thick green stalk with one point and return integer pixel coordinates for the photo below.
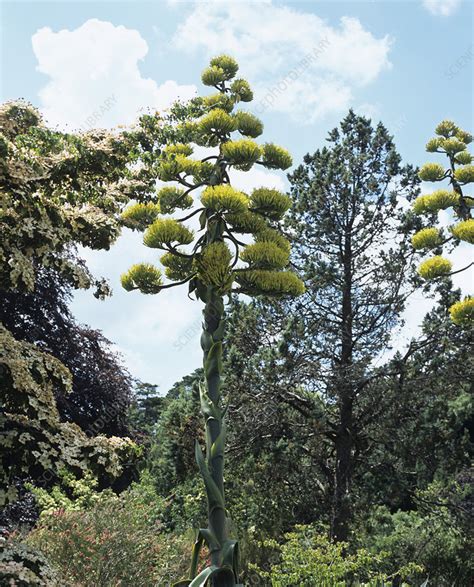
(211, 343)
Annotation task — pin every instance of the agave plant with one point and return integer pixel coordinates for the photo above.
(452, 142)
(237, 248)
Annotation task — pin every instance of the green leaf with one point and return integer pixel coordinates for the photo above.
(230, 556)
(214, 496)
(225, 574)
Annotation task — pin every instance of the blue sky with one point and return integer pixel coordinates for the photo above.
(407, 63)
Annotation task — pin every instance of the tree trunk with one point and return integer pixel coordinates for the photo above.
(342, 506)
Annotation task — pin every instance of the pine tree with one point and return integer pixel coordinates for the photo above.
(353, 250)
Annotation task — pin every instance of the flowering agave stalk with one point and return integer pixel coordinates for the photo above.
(238, 248)
(452, 142)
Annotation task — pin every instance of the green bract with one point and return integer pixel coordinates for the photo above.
(242, 153)
(464, 230)
(228, 65)
(259, 281)
(139, 216)
(435, 267)
(462, 312)
(276, 157)
(177, 267)
(248, 124)
(165, 231)
(265, 255)
(432, 172)
(224, 198)
(171, 197)
(427, 238)
(143, 276)
(465, 174)
(270, 203)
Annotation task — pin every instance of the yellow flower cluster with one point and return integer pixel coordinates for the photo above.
(213, 266)
(438, 200)
(139, 216)
(434, 267)
(259, 281)
(143, 276)
(166, 231)
(176, 268)
(276, 157)
(265, 255)
(427, 238)
(241, 153)
(171, 197)
(465, 174)
(432, 172)
(269, 202)
(464, 230)
(224, 198)
(462, 312)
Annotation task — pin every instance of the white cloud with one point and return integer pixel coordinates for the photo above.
(297, 62)
(94, 78)
(441, 7)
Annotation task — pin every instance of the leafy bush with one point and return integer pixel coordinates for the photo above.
(21, 565)
(436, 540)
(117, 541)
(309, 558)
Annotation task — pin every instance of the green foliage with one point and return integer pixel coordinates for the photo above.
(432, 536)
(34, 441)
(308, 558)
(432, 172)
(465, 174)
(115, 541)
(23, 566)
